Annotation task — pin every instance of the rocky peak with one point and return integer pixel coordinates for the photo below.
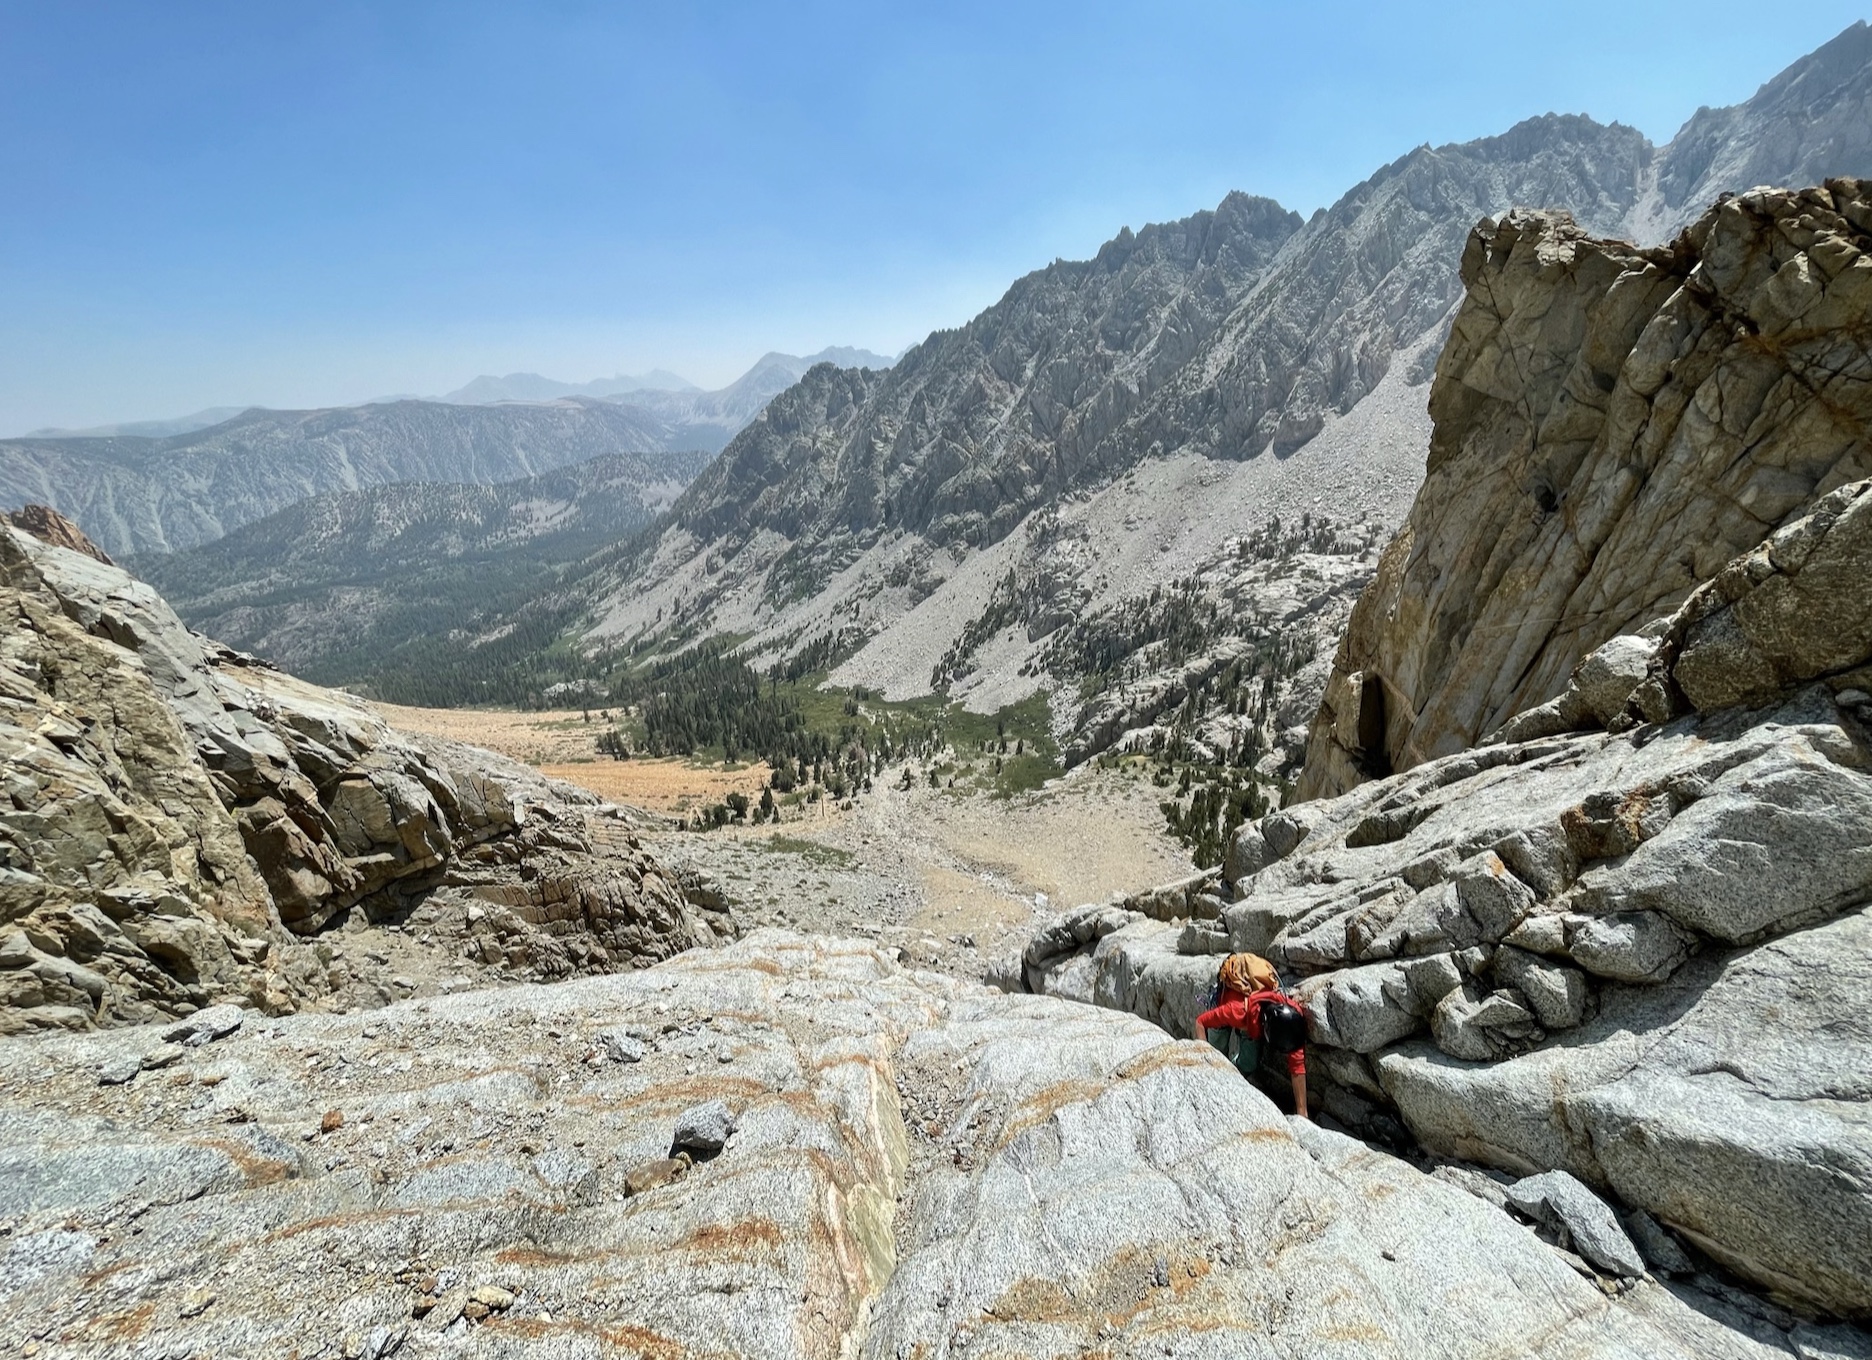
(1811, 121)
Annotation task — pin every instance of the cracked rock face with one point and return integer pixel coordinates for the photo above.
(179, 819)
(1612, 426)
(917, 1167)
(1674, 1010)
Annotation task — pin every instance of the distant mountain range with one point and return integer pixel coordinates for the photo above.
(381, 578)
(773, 372)
(137, 495)
(713, 418)
(153, 429)
(159, 486)
(532, 387)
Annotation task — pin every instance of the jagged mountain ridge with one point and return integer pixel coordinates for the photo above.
(1229, 336)
(138, 495)
(334, 585)
(169, 489)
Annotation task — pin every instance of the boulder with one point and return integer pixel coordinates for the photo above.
(1363, 1009)
(1557, 1198)
(1468, 1024)
(1632, 946)
(1556, 993)
(204, 1027)
(622, 1047)
(1728, 1103)
(704, 1128)
(1602, 684)
(119, 1069)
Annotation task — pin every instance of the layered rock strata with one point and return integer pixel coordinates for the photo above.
(1624, 421)
(179, 817)
(916, 1167)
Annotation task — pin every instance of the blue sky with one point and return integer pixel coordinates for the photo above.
(300, 204)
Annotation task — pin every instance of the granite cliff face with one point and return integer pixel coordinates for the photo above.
(1624, 937)
(1623, 421)
(180, 818)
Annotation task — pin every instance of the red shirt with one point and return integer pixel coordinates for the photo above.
(1244, 1013)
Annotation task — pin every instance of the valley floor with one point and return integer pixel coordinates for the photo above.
(949, 878)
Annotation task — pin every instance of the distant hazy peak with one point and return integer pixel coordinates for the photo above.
(845, 356)
(153, 429)
(771, 373)
(534, 387)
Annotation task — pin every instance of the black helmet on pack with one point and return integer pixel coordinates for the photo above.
(1283, 1026)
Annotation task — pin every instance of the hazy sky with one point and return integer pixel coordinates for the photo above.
(297, 204)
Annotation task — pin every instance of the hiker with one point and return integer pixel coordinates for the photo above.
(1250, 1002)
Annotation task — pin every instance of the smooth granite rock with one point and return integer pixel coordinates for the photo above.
(920, 1167)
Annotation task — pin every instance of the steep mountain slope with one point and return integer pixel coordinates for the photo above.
(1812, 121)
(336, 587)
(1256, 362)
(139, 495)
